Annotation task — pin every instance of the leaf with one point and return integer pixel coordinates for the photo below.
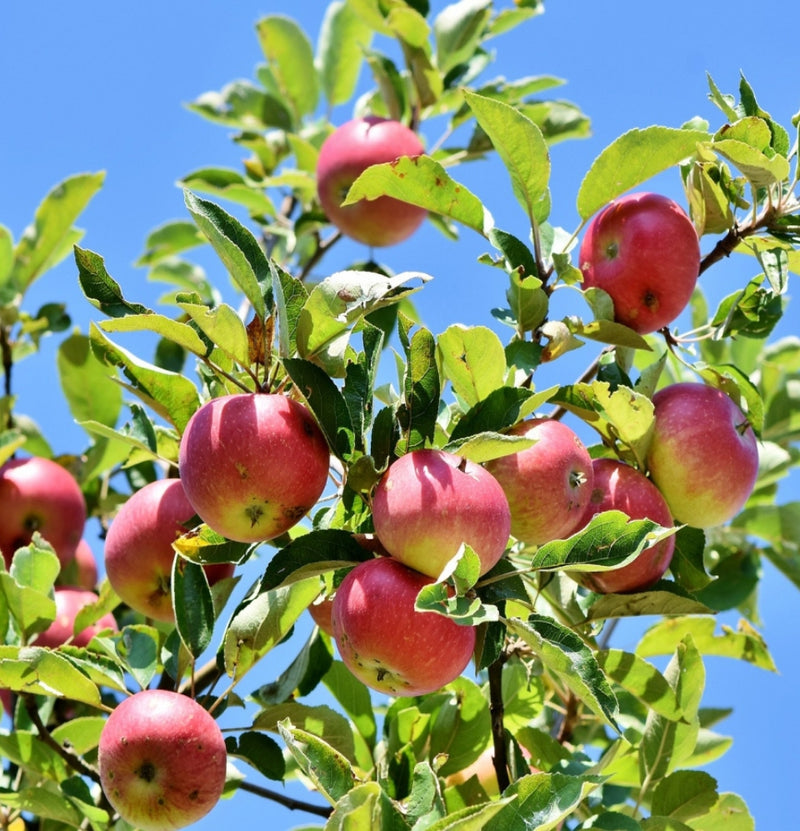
(458, 30)
(321, 721)
(236, 247)
(193, 605)
(473, 360)
(139, 646)
(260, 751)
(31, 669)
(86, 382)
(175, 331)
(290, 59)
(231, 185)
(354, 698)
(522, 149)
(745, 645)
(642, 680)
(328, 770)
(223, 327)
(566, 655)
(100, 289)
(417, 416)
(170, 239)
(42, 244)
(260, 622)
(336, 304)
(422, 181)
(758, 168)
(684, 795)
(367, 805)
(171, 395)
(631, 159)
(343, 39)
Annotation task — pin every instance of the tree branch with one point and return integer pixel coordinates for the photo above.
(287, 801)
(496, 711)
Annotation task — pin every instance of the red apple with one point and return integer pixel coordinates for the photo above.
(162, 760)
(7, 701)
(644, 251)
(321, 611)
(69, 602)
(253, 464)
(139, 552)
(38, 494)
(548, 484)
(429, 502)
(620, 487)
(348, 152)
(385, 641)
(703, 455)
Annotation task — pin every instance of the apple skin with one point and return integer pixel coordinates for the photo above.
(69, 602)
(644, 251)
(620, 487)
(162, 760)
(429, 502)
(348, 152)
(138, 550)
(38, 494)
(253, 464)
(703, 455)
(385, 641)
(547, 485)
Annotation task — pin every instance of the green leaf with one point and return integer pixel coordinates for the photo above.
(642, 680)
(139, 646)
(171, 395)
(367, 805)
(337, 303)
(236, 247)
(243, 106)
(422, 181)
(175, 331)
(499, 410)
(86, 382)
(169, 239)
(458, 30)
(684, 795)
(473, 360)
(6, 257)
(231, 185)
(326, 402)
(418, 413)
(260, 751)
(320, 720)
(100, 289)
(223, 327)
(343, 39)
(44, 802)
(193, 605)
(260, 622)
(328, 770)
(757, 167)
(474, 817)
(46, 241)
(566, 655)
(290, 59)
(729, 814)
(31, 669)
(745, 645)
(290, 296)
(632, 159)
(522, 149)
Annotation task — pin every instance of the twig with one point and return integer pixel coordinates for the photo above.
(287, 801)
(496, 711)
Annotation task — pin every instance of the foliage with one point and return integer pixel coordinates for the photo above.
(615, 739)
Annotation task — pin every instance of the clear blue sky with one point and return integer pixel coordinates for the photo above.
(91, 86)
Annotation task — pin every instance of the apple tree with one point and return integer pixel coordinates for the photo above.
(442, 543)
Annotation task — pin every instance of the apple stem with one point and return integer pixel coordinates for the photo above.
(496, 711)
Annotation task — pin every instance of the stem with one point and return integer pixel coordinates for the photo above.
(8, 363)
(496, 710)
(286, 801)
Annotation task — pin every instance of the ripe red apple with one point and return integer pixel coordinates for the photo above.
(385, 641)
(253, 464)
(548, 484)
(644, 251)
(38, 494)
(162, 760)
(429, 502)
(620, 487)
(704, 455)
(138, 549)
(69, 602)
(7, 701)
(348, 152)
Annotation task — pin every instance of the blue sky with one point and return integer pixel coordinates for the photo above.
(101, 86)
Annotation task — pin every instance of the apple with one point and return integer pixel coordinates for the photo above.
(162, 760)
(348, 152)
(385, 641)
(703, 455)
(620, 487)
(644, 251)
(38, 494)
(253, 464)
(69, 602)
(429, 502)
(7, 700)
(138, 549)
(548, 484)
